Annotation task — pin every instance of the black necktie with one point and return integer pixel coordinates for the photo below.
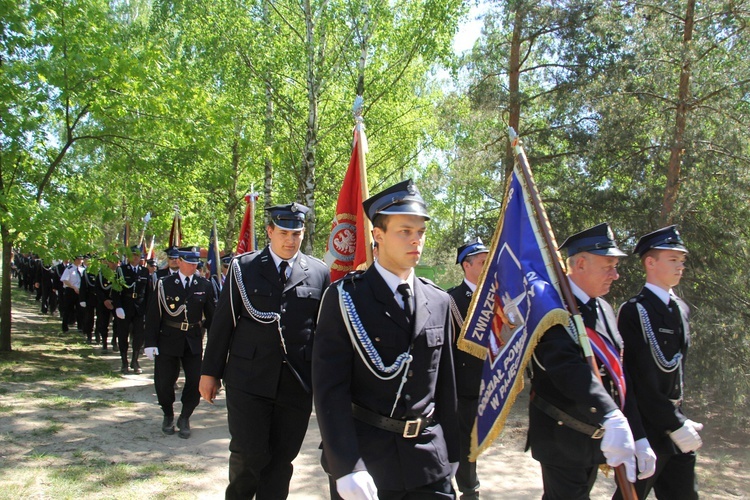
(591, 314)
(187, 282)
(282, 271)
(405, 290)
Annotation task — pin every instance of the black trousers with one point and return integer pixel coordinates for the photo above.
(88, 314)
(103, 318)
(466, 476)
(68, 307)
(267, 435)
(166, 373)
(132, 324)
(674, 479)
(567, 483)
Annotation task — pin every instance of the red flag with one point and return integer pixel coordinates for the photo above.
(246, 240)
(347, 246)
(175, 234)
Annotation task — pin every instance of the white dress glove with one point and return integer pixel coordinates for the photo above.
(617, 443)
(686, 437)
(120, 313)
(151, 352)
(82, 304)
(357, 486)
(646, 458)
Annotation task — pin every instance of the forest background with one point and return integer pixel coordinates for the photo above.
(631, 112)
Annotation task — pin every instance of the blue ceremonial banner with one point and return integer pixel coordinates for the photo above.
(517, 300)
(212, 258)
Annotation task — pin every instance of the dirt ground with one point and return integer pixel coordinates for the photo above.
(127, 431)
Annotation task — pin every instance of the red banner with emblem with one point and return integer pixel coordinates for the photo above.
(246, 240)
(347, 244)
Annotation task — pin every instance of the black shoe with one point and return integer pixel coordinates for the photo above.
(124, 370)
(167, 425)
(183, 423)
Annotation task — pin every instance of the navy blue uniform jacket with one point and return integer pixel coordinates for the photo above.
(340, 378)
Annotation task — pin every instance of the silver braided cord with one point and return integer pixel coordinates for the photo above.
(667, 366)
(163, 302)
(367, 352)
(259, 316)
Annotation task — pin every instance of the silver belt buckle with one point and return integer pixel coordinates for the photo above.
(184, 326)
(598, 433)
(412, 428)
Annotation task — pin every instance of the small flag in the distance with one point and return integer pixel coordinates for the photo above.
(514, 305)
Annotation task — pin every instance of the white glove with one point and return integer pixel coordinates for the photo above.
(82, 304)
(646, 458)
(120, 313)
(151, 352)
(357, 486)
(617, 443)
(686, 437)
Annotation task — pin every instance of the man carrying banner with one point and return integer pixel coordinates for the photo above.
(383, 382)
(654, 326)
(471, 257)
(577, 423)
(260, 343)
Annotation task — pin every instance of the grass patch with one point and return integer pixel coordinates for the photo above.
(6, 408)
(50, 429)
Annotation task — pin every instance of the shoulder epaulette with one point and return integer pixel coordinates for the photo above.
(427, 281)
(351, 277)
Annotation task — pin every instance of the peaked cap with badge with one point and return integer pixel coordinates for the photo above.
(190, 254)
(400, 199)
(599, 240)
(172, 252)
(473, 247)
(290, 216)
(666, 238)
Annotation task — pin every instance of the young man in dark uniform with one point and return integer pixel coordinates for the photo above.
(577, 423)
(260, 344)
(178, 310)
(471, 257)
(654, 325)
(130, 309)
(383, 381)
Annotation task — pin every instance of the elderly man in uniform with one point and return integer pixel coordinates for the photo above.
(130, 309)
(471, 257)
(260, 343)
(577, 423)
(654, 326)
(383, 380)
(177, 311)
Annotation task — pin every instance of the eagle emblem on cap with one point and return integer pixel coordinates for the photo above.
(610, 234)
(293, 207)
(411, 188)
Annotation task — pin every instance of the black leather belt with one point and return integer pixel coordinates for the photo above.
(593, 431)
(184, 326)
(407, 428)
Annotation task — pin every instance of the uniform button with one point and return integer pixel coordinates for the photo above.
(592, 409)
(377, 339)
(411, 373)
(559, 422)
(407, 397)
(283, 310)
